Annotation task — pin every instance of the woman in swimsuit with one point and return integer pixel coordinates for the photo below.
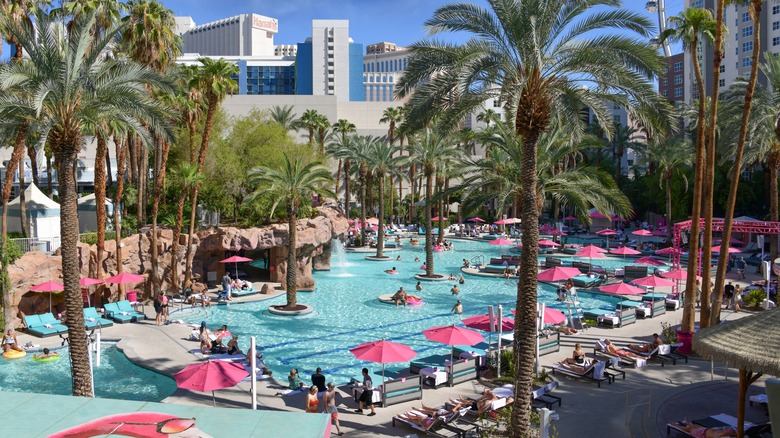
(10, 343)
(611, 349)
(577, 356)
(312, 401)
(697, 431)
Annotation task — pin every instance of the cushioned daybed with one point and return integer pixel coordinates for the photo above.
(92, 319)
(44, 325)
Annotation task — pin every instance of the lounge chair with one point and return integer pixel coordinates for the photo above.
(437, 427)
(593, 371)
(720, 420)
(541, 397)
(44, 325)
(600, 349)
(92, 319)
(122, 312)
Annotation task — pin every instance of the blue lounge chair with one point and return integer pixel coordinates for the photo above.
(92, 319)
(37, 325)
(122, 314)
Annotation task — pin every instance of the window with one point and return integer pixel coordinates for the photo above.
(722, 82)
(747, 46)
(678, 66)
(678, 79)
(665, 81)
(775, 25)
(630, 162)
(745, 17)
(616, 119)
(697, 3)
(747, 62)
(722, 68)
(747, 31)
(678, 92)
(665, 93)
(776, 41)
(736, 51)
(666, 69)
(775, 9)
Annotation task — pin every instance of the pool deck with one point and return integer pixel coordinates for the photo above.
(640, 405)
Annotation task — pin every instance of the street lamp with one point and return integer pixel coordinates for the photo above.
(651, 7)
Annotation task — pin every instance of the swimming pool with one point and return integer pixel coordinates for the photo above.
(116, 377)
(347, 312)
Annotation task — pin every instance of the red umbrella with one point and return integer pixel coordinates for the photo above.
(606, 232)
(624, 250)
(622, 289)
(50, 287)
(125, 278)
(476, 219)
(551, 316)
(677, 274)
(482, 322)
(668, 251)
(642, 233)
(647, 260)
(453, 335)
(558, 273)
(545, 242)
(87, 281)
(652, 280)
(210, 376)
(236, 260)
(732, 250)
(597, 215)
(383, 352)
(437, 218)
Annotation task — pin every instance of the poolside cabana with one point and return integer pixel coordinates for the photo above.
(43, 215)
(87, 210)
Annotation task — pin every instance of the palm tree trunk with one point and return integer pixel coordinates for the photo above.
(392, 198)
(121, 152)
(22, 201)
(669, 228)
(338, 178)
(79, 359)
(49, 182)
(347, 199)
(412, 185)
(191, 139)
(100, 205)
(190, 236)
(440, 207)
(428, 224)
(156, 184)
(132, 151)
(292, 260)
(18, 151)
(362, 205)
(773, 211)
(175, 242)
(140, 218)
(618, 163)
(109, 175)
(380, 233)
(33, 154)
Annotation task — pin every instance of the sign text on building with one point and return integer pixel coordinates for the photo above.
(265, 23)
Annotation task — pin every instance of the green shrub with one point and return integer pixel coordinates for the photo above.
(754, 298)
(668, 333)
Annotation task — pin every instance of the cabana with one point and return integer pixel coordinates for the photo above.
(43, 215)
(88, 212)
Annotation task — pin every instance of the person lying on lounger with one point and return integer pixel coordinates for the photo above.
(439, 412)
(566, 330)
(578, 368)
(611, 349)
(481, 404)
(646, 348)
(423, 421)
(697, 431)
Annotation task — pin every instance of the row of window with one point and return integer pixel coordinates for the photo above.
(381, 93)
(379, 78)
(678, 92)
(386, 66)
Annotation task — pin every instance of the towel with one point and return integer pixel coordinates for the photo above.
(124, 313)
(91, 319)
(48, 326)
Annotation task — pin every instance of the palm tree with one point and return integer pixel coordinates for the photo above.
(284, 116)
(309, 120)
(393, 115)
(690, 27)
(72, 83)
(728, 218)
(670, 155)
(337, 139)
(187, 176)
(488, 116)
(536, 55)
(215, 80)
(359, 151)
(383, 161)
(289, 185)
(322, 126)
(625, 137)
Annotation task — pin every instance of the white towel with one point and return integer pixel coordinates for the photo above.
(48, 326)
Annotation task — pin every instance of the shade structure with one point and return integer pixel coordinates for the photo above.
(210, 376)
(558, 273)
(732, 250)
(236, 260)
(475, 219)
(501, 242)
(453, 335)
(545, 228)
(87, 281)
(436, 218)
(546, 242)
(50, 287)
(503, 222)
(372, 221)
(591, 252)
(624, 250)
(597, 215)
(668, 251)
(555, 232)
(622, 289)
(606, 232)
(648, 261)
(482, 322)
(652, 280)
(593, 248)
(748, 344)
(659, 233)
(383, 352)
(551, 316)
(125, 278)
(677, 274)
(642, 233)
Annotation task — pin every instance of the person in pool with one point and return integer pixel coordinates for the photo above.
(457, 308)
(400, 297)
(46, 354)
(10, 342)
(392, 271)
(419, 287)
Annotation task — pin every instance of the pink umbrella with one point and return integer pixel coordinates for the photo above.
(503, 222)
(732, 250)
(591, 252)
(453, 335)
(475, 219)
(545, 228)
(571, 218)
(125, 278)
(622, 289)
(210, 376)
(642, 233)
(436, 218)
(501, 242)
(482, 322)
(50, 287)
(372, 221)
(546, 242)
(668, 251)
(558, 273)
(383, 352)
(652, 280)
(658, 233)
(624, 251)
(592, 248)
(87, 282)
(677, 274)
(647, 260)
(551, 316)
(597, 215)
(606, 232)
(555, 233)
(236, 260)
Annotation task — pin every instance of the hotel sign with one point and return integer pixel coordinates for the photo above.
(265, 23)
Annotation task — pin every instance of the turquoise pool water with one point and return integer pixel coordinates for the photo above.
(348, 312)
(116, 377)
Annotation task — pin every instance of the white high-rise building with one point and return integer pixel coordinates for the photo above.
(383, 66)
(240, 35)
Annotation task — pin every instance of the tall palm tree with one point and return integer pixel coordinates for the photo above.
(215, 80)
(383, 161)
(530, 51)
(295, 181)
(309, 121)
(284, 116)
(338, 137)
(670, 155)
(690, 27)
(187, 176)
(344, 149)
(322, 127)
(359, 151)
(754, 10)
(625, 137)
(488, 116)
(73, 83)
(393, 116)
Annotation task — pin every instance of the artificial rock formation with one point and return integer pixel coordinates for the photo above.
(313, 243)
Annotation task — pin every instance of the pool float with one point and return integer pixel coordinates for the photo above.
(390, 271)
(134, 424)
(47, 359)
(14, 354)
(438, 248)
(414, 300)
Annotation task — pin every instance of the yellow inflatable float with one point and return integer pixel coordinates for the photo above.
(14, 354)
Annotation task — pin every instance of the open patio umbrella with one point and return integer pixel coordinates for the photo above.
(647, 260)
(571, 218)
(86, 282)
(545, 228)
(558, 273)
(210, 376)
(501, 242)
(546, 242)
(383, 352)
(437, 218)
(555, 232)
(503, 222)
(593, 248)
(652, 280)
(372, 221)
(591, 252)
(622, 289)
(642, 233)
(732, 250)
(482, 322)
(597, 215)
(125, 278)
(475, 219)
(607, 232)
(668, 251)
(756, 352)
(551, 316)
(624, 251)
(236, 260)
(50, 287)
(677, 274)
(453, 335)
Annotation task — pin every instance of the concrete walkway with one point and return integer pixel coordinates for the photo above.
(638, 406)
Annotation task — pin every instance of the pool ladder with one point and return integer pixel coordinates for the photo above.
(575, 309)
(478, 260)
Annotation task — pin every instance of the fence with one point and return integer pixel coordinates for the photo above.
(44, 245)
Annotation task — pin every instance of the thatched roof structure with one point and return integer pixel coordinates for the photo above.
(751, 343)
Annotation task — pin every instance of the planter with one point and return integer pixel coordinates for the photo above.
(686, 339)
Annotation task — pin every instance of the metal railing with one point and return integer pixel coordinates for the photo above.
(29, 244)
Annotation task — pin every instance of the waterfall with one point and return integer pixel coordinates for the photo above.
(338, 260)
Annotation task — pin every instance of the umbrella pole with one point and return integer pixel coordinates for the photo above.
(213, 399)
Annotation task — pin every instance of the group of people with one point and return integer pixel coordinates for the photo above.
(328, 401)
(213, 343)
(161, 308)
(401, 297)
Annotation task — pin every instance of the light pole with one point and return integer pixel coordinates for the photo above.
(660, 7)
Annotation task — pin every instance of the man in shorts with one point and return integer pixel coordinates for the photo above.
(329, 402)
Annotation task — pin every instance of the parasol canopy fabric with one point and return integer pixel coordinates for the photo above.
(482, 322)
(624, 250)
(606, 232)
(49, 286)
(678, 274)
(125, 278)
(647, 260)
(453, 335)
(87, 281)
(622, 289)
(383, 352)
(558, 273)
(210, 376)
(652, 280)
(501, 242)
(642, 233)
(545, 242)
